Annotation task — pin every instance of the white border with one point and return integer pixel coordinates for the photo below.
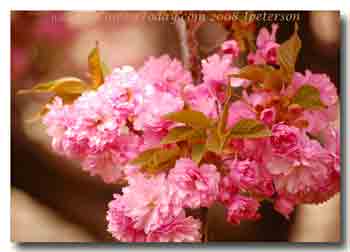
(5, 128)
(179, 5)
(5, 245)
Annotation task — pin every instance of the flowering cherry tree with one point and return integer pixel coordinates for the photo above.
(182, 140)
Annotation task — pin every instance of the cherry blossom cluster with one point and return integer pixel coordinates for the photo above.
(280, 145)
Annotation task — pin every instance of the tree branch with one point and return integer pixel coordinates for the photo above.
(189, 46)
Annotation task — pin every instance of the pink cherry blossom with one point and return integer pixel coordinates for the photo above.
(286, 140)
(266, 52)
(148, 211)
(57, 121)
(302, 169)
(265, 36)
(97, 124)
(94, 128)
(228, 188)
(317, 119)
(149, 201)
(310, 177)
(255, 58)
(107, 127)
(284, 206)
(257, 98)
(216, 70)
(230, 47)
(100, 117)
(254, 149)
(239, 110)
(251, 176)
(152, 138)
(165, 74)
(242, 208)
(120, 225)
(268, 115)
(328, 91)
(331, 142)
(131, 170)
(110, 163)
(320, 119)
(156, 104)
(196, 186)
(201, 99)
(123, 91)
(178, 229)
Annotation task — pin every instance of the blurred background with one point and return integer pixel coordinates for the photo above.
(52, 198)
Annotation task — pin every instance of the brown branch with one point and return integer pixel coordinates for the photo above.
(189, 46)
(205, 223)
(191, 59)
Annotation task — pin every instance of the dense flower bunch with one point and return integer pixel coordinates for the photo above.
(240, 136)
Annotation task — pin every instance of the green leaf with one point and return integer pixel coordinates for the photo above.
(252, 72)
(249, 128)
(199, 135)
(213, 141)
(38, 88)
(162, 160)
(68, 89)
(287, 54)
(270, 77)
(95, 68)
(164, 155)
(178, 134)
(162, 167)
(61, 87)
(308, 97)
(157, 159)
(273, 80)
(198, 151)
(69, 86)
(105, 69)
(144, 157)
(192, 118)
